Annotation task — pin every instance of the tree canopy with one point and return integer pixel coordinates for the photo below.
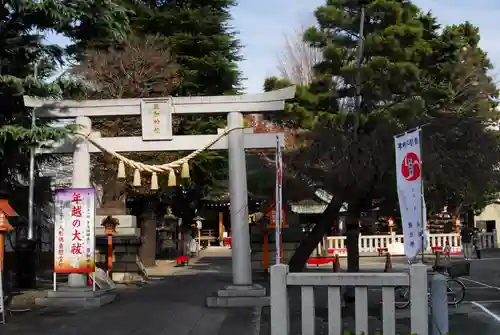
(412, 74)
(26, 63)
(201, 37)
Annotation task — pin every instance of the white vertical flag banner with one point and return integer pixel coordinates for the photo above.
(409, 184)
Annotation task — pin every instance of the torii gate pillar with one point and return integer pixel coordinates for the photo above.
(241, 260)
(81, 179)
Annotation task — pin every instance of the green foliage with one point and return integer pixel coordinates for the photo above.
(207, 51)
(23, 54)
(199, 34)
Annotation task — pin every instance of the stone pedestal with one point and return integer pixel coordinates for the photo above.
(239, 296)
(258, 254)
(127, 267)
(76, 297)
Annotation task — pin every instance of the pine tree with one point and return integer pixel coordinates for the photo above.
(199, 34)
(343, 153)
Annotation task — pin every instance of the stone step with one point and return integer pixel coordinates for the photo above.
(242, 291)
(75, 292)
(76, 302)
(224, 302)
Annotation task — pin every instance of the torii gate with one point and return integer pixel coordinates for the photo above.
(160, 138)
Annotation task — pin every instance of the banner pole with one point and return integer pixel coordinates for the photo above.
(422, 207)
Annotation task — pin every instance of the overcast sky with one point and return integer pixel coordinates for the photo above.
(262, 25)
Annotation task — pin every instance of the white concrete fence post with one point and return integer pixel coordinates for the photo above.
(419, 303)
(280, 314)
(495, 237)
(439, 305)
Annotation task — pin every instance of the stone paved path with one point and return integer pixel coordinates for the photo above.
(172, 305)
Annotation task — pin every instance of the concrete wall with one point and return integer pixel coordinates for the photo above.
(491, 212)
(258, 254)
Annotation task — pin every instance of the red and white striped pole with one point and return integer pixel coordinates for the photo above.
(278, 208)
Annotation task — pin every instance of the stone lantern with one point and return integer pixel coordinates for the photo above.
(169, 220)
(198, 225)
(167, 233)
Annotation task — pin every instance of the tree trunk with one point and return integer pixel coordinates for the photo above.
(352, 240)
(352, 245)
(307, 246)
(469, 218)
(147, 251)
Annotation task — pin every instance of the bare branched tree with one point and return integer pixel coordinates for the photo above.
(296, 64)
(297, 60)
(142, 68)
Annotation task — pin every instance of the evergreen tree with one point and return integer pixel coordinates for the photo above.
(22, 54)
(199, 33)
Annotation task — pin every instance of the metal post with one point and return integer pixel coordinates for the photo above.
(439, 305)
(278, 218)
(422, 204)
(31, 194)
(81, 179)
(240, 233)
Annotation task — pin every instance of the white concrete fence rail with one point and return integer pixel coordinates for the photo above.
(282, 280)
(371, 243)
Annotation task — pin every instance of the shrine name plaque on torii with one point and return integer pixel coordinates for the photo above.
(157, 135)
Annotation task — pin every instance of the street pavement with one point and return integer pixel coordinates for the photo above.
(480, 310)
(170, 305)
